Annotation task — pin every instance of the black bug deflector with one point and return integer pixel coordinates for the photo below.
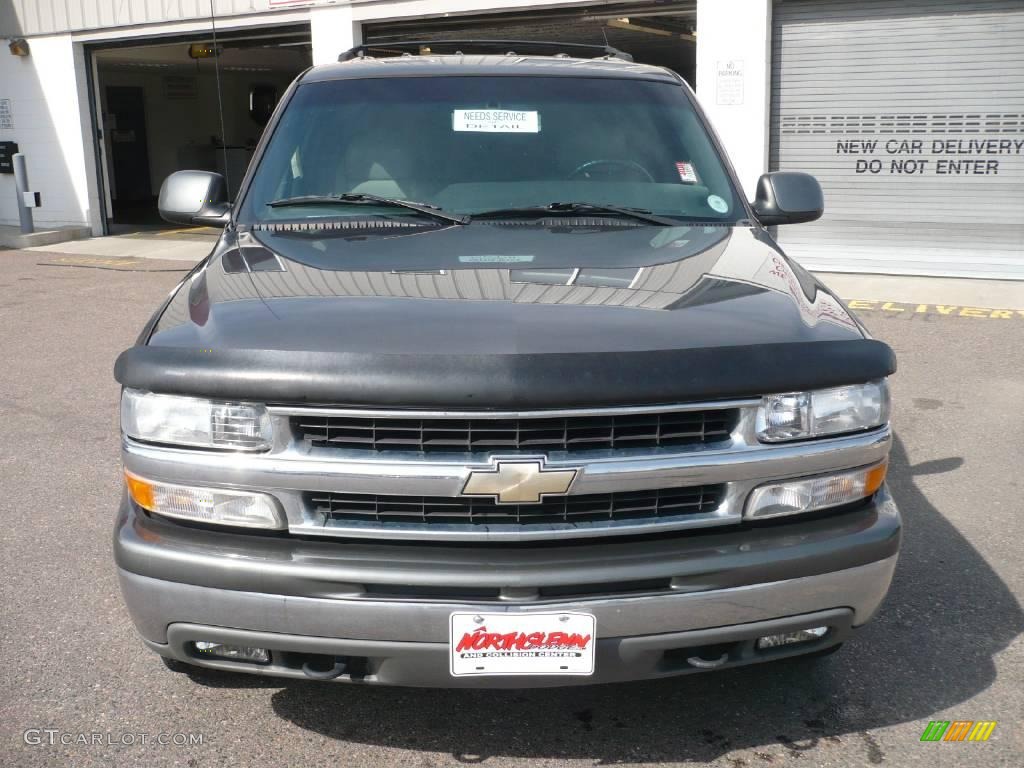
(504, 381)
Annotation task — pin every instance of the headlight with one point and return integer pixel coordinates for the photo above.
(206, 505)
(800, 415)
(195, 422)
(807, 494)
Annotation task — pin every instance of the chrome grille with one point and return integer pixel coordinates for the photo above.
(662, 504)
(563, 433)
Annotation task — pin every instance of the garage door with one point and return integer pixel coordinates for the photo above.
(911, 114)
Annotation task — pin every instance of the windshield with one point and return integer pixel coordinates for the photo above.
(473, 145)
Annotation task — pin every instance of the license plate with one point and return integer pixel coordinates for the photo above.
(522, 644)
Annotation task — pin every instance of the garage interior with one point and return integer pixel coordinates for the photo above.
(157, 110)
(661, 33)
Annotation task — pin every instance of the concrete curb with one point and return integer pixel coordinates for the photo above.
(12, 237)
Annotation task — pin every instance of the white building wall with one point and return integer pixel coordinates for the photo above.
(46, 90)
(734, 48)
(47, 17)
(334, 30)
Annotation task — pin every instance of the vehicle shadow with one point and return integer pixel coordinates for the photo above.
(930, 647)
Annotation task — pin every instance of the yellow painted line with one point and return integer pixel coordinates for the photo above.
(165, 232)
(92, 260)
(947, 310)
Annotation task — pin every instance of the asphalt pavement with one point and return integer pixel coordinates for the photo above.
(78, 688)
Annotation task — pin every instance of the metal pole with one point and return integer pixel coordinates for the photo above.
(21, 184)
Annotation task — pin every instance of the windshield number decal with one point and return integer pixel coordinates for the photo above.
(687, 174)
(717, 204)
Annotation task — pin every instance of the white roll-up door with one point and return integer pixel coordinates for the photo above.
(911, 114)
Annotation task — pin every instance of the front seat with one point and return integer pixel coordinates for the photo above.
(376, 167)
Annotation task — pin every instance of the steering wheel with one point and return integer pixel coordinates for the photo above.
(586, 169)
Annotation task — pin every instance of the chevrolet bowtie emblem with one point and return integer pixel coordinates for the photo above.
(518, 482)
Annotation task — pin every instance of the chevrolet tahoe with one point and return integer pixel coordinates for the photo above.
(495, 378)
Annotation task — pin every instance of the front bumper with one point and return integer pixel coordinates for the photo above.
(307, 599)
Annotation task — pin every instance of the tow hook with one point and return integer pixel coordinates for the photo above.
(700, 663)
(340, 665)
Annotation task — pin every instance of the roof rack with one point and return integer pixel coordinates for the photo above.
(519, 47)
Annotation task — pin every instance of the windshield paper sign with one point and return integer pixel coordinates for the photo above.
(495, 121)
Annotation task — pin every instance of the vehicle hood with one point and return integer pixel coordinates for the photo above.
(500, 315)
(500, 289)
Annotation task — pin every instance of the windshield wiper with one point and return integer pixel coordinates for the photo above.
(364, 199)
(578, 207)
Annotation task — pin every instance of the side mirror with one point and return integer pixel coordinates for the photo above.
(787, 197)
(195, 197)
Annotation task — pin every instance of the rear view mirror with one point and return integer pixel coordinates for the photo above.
(787, 197)
(195, 197)
(262, 100)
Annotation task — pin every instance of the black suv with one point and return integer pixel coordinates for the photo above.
(495, 379)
